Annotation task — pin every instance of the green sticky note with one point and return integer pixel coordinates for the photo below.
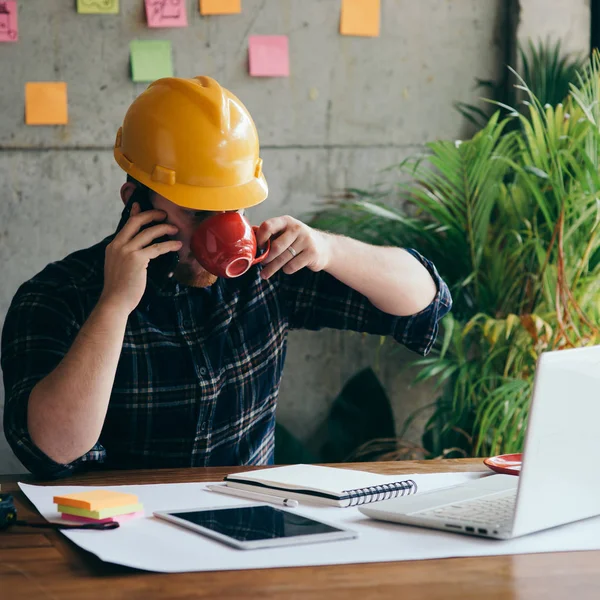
(98, 7)
(150, 60)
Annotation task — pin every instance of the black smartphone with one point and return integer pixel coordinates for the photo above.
(161, 268)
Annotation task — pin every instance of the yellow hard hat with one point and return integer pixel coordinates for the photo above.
(193, 142)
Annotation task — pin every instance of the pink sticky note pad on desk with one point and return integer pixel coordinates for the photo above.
(9, 29)
(166, 13)
(269, 56)
(115, 519)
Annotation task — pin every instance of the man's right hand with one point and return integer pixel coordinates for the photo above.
(128, 256)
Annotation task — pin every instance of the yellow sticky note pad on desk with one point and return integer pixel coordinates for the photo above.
(46, 103)
(220, 7)
(98, 7)
(96, 499)
(103, 513)
(360, 17)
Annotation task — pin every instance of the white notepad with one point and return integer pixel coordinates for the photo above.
(323, 485)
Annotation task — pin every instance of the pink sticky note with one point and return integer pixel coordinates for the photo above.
(269, 56)
(166, 13)
(116, 519)
(9, 29)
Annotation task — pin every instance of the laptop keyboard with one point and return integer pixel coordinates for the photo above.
(495, 510)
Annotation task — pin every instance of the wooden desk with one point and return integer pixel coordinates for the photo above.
(35, 564)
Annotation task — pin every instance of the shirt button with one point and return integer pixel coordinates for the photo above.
(203, 371)
(203, 426)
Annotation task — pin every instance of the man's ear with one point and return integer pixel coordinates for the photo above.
(126, 190)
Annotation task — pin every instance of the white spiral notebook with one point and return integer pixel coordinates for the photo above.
(323, 485)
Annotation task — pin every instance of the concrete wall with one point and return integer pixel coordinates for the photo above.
(540, 19)
(351, 107)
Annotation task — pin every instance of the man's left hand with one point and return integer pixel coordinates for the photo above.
(294, 245)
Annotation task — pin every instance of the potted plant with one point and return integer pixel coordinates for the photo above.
(510, 218)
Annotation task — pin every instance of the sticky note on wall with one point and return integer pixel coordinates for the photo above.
(360, 17)
(150, 60)
(166, 13)
(220, 7)
(46, 103)
(9, 28)
(98, 7)
(268, 56)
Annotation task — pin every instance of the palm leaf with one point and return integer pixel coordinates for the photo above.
(510, 218)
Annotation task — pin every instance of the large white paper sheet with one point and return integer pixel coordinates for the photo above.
(156, 545)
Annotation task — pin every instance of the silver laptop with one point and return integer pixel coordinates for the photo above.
(560, 475)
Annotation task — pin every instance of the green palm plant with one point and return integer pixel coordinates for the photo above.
(548, 71)
(510, 217)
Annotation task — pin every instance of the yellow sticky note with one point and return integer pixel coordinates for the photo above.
(360, 17)
(220, 7)
(46, 103)
(103, 513)
(98, 7)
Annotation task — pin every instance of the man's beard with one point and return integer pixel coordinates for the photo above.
(187, 275)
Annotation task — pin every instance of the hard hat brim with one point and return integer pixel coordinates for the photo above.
(236, 197)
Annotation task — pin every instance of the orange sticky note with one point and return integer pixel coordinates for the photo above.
(96, 500)
(360, 17)
(220, 7)
(46, 103)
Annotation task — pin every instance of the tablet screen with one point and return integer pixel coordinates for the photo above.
(249, 523)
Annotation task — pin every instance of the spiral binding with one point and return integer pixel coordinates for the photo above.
(375, 493)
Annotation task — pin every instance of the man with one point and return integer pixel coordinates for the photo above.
(103, 367)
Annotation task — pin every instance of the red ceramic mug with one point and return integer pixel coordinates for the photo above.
(225, 245)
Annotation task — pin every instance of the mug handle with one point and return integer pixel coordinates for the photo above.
(264, 255)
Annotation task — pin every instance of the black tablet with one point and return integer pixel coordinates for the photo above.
(256, 526)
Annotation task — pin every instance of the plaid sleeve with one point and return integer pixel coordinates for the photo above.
(317, 300)
(39, 329)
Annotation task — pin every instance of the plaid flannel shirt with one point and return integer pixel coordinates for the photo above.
(200, 368)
